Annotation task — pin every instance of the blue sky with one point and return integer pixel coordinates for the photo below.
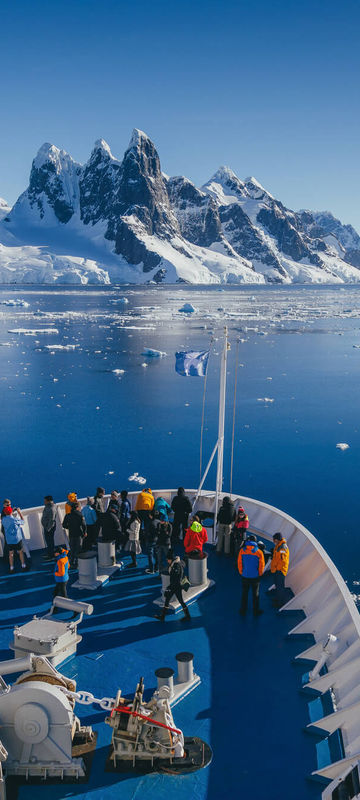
(269, 88)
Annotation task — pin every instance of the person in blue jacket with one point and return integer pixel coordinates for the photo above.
(251, 565)
(161, 507)
(12, 527)
(92, 527)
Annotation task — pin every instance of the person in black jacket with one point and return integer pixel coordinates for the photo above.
(176, 573)
(225, 518)
(181, 507)
(163, 539)
(151, 543)
(114, 503)
(75, 524)
(110, 527)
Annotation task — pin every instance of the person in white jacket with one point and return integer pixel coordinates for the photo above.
(133, 545)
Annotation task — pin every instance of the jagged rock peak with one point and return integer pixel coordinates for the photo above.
(49, 152)
(223, 175)
(138, 139)
(103, 147)
(255, 189)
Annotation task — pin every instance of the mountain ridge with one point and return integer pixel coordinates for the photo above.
(113, 220)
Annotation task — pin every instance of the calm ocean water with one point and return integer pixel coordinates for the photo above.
(70, 422)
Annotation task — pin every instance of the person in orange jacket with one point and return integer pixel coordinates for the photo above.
(279, 568)
(251, 564)
(195, 538)
(144, 505)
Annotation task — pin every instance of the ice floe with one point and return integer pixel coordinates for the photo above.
(118, 371)
(122, 300)
(342, 446)
(33, 331)
(16, 302)
(60, 346)
(136, 478)
(150, 353)
(265, 399)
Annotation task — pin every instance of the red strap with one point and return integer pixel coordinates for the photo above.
(127, 710)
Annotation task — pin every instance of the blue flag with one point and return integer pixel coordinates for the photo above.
(191, 363)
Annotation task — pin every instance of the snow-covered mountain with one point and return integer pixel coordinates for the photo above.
(125, 221)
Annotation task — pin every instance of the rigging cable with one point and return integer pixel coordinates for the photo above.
(234, 414)
(203, 409)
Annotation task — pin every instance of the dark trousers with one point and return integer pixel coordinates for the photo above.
(91, 536)
(144, 518)
(60, 590)
(75, 547)
(161, 550)
(49, 539)
(254, 583)
(279, 580)
(178, 594)
(152, 557)
(179, 525)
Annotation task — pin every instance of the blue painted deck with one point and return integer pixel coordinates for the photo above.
(248, 706)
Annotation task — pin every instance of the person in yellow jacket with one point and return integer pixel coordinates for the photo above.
(71, 500)
(144, 505)
(279, 568)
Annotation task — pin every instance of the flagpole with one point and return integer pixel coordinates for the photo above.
(221, 428)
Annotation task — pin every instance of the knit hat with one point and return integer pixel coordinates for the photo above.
(7, 510)
(196, 526)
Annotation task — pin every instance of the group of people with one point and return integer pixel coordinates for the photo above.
(148, 527)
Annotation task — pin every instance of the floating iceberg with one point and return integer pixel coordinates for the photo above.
(342, 446)
(187, 308)
(33, 331)
(16, 302)
(118, 371)
(265, 399)
(60, 346)
(150, 353)
(122, 300)
(136, 478)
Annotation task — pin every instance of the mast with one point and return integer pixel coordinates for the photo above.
(221, 428)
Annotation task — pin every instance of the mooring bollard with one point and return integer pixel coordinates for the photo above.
(87, 568)
(165, 677)
(106, 554)
(185, 662)
(198, 570)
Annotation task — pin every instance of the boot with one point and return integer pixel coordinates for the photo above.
(186, 616)
(161, 615)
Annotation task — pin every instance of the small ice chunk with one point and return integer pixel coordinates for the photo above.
(16, 302)
(144, 364)
(268, 378)
(357, 346)
(136, 478)
(111, 472)
(122, 300)
(118, 371)
(342, 446)
(265, 399)
(150, 353)
(187, 308)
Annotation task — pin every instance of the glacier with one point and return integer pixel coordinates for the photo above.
(125, 221)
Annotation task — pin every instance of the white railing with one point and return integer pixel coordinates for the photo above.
(319, 591)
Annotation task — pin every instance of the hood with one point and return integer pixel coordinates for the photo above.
(196, 526)
(72, 496)
(253, 545)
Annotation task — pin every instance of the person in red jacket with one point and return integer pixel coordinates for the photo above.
(195, 538)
